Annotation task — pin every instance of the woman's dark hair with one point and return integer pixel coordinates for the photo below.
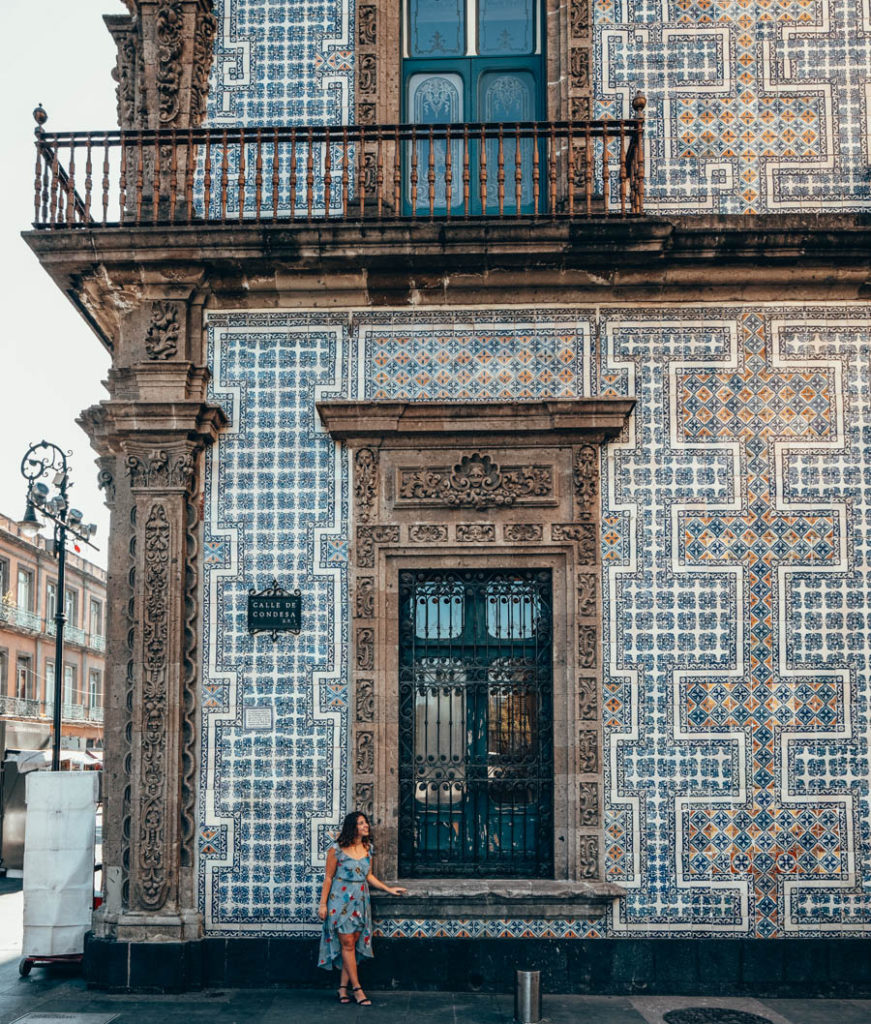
(348, 835)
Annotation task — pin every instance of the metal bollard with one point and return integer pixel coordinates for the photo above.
(527, 997)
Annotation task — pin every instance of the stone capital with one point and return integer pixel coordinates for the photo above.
(167, 467)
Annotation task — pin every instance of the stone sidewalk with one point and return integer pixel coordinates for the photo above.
(57, 991)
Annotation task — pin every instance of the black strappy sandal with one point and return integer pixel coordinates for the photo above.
(345, 999)
(361, 1002)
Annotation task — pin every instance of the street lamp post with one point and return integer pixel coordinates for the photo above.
(47, 460)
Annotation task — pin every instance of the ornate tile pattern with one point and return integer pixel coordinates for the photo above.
(269, 793)
(282, 63)
(735, 588)
(752, 107)
(440, 357)
(738, 769)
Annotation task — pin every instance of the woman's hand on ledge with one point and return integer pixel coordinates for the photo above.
(395, 890)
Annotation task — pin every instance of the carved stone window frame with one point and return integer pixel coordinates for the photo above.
(568, 49)
(481, 485)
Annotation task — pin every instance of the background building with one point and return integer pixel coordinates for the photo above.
(28, 583)
(559, 426)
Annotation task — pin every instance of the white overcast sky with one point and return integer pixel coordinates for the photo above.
(59, 53)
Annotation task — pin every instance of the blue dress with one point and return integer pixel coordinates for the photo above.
(348, 909)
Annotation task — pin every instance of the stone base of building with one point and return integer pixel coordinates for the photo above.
(747, 967)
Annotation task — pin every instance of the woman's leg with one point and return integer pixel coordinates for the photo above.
(349, 959)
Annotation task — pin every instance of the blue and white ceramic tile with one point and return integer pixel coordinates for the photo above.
(735, 589)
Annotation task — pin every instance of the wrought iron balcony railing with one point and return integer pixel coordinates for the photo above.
(21, 617)
(28, 707)
(347, 173)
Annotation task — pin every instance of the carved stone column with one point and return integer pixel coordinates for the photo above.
(150, 435)
(161, 479)
(164, 57)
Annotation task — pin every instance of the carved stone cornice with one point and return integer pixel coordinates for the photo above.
(410, 424)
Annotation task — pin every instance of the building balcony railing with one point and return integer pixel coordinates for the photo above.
(74, 635)
(21, 617)
(26, 707)
(351, 173)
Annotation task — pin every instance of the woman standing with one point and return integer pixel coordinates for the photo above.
(344, 906)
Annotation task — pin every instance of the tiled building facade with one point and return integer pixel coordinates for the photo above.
(703, 508)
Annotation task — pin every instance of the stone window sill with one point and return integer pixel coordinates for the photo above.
(541, 899)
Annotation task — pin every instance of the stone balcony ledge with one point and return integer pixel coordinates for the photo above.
(447, 898)
(396, 263)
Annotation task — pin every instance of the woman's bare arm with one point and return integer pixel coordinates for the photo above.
(372, 880)
(328, 881)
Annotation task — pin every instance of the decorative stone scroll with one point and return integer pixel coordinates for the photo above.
(365, 650)
(106, 478)
(428, 533)
(588, 643)
(170, 44)
(367, 66)
(365, 753)
(476, 533)
(587, 594)
(588, 752)
(365, 481)
(588, 804)
(365, 705)
(584, 535)
(580, 47)
(588, 857)
(368, 537)
(588, 698)
(523, 532)
(204, 44)
(364, 798)
(162, 336)
(364, 599)
(586, 474)
(475, 482)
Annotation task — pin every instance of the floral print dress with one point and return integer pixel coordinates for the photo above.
(348, 909)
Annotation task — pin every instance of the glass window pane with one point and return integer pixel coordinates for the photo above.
(437, 28)
(507, 96)
(513, 608)
(506, 27)
(435, 99)
(438, 610)
(25, 589)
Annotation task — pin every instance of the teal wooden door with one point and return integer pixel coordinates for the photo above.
(470, 61)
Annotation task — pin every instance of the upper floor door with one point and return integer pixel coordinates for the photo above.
(465, 62)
